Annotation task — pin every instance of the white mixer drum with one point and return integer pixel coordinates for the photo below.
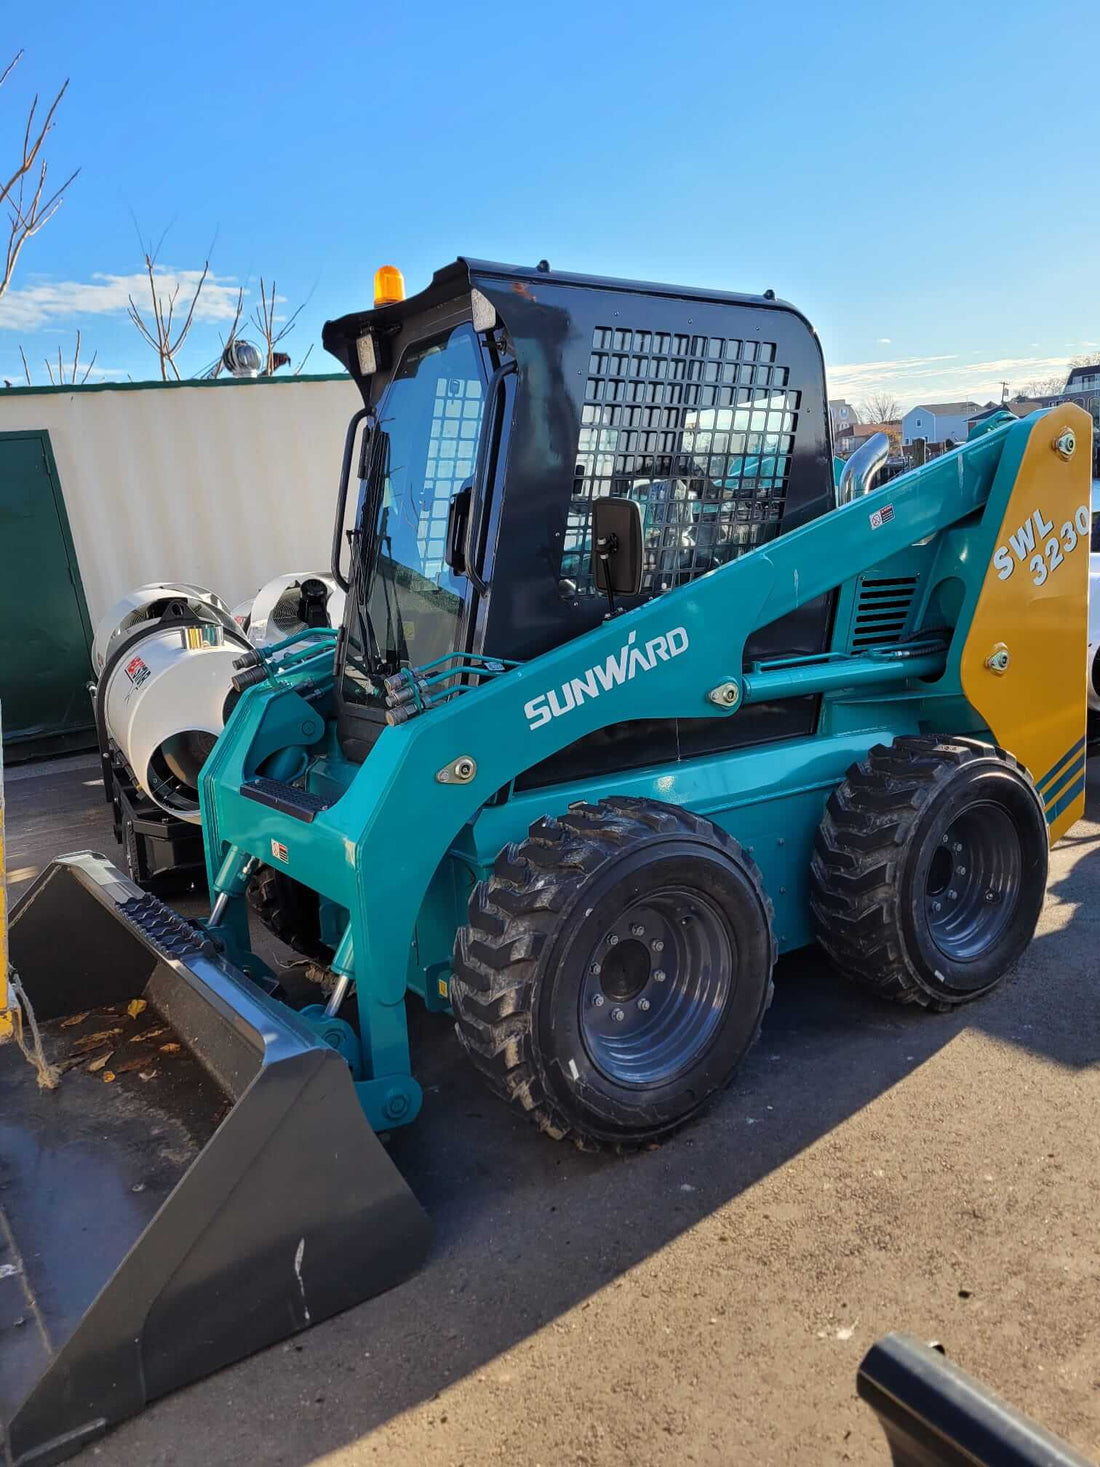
(148, 603)
(164, 706)
(280, 608)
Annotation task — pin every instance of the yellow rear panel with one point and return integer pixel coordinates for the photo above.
(1032, 614)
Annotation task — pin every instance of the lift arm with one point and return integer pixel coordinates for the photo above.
(1018, 489)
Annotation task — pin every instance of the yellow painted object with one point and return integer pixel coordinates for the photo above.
(1022, 664)
(7, 1017)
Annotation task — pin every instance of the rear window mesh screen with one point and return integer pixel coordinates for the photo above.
(699, 430)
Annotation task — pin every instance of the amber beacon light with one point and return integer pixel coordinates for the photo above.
(389, 285)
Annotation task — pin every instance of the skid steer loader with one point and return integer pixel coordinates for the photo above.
(628, 698)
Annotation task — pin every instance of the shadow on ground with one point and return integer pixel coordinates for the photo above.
(526, 1229)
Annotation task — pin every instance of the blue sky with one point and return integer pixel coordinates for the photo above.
(923, 180)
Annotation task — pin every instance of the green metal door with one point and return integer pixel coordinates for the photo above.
(45, 636)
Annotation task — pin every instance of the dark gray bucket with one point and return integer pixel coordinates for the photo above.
(222, 1191)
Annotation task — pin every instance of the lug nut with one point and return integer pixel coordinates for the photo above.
(961, 870)
(643, 1004)
(595, 970)
(958, 847)
(638, 930)
(991, 896)
(953, 894)
(657, 945)
(659, 975)
(937, 906)
(618, 1015)
(598, 1001)
(612, 940)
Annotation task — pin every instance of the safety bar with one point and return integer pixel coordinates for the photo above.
(342, 499)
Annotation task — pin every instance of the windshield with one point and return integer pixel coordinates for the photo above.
(407, 602)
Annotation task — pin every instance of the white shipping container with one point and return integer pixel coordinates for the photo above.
(222, 484)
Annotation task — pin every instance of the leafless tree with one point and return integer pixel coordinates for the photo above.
(272, 331)
(158, 331)
(61, 372)
(23, 193)
(1045, 386)
(880, 407)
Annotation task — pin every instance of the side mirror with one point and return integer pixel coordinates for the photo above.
(617, 546)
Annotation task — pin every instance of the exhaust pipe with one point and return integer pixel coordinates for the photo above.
(860, 470)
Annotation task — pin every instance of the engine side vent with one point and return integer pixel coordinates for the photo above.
(882, 611)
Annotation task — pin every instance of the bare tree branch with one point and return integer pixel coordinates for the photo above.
(880, 407)
(304, 360)
(162, 334)
(26, 219)
(268, 326)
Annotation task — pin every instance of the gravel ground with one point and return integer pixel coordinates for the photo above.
(709, 1301)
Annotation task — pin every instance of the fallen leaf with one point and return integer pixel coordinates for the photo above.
(147, 1075)
(94, 1041)
(108, 1076)
(149, 1034)
(74, 1019)
(136, 1006)
(99, 1061)
(137, 1062)
(170, 1049)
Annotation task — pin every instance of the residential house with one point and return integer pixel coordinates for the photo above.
(1083, 387)
(1019, 407)
(938, 423)
(847, 442)
(842, 417)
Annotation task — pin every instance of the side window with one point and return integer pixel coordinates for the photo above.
(697, 430)
(452, 444)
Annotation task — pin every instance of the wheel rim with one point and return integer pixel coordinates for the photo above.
(655, 987)
(973, 882)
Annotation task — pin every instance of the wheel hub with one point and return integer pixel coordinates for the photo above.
(655, 987)
(973, 881)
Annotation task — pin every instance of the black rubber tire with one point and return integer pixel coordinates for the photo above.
(289, 910)
(872, 869)
(521, 964)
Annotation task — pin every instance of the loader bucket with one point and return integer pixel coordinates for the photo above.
(201, 1183)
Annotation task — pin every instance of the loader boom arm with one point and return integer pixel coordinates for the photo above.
(662, 660)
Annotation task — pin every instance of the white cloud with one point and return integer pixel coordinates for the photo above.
(944, 378)
(882, 341)
(33, 306)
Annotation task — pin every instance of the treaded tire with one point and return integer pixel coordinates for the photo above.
(875, 897)
(522, 988)
(289, 910)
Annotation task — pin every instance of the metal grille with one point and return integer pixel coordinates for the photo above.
(699, 430)
(882, 611)
(452, 446)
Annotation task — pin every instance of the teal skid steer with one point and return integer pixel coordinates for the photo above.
(630, 697)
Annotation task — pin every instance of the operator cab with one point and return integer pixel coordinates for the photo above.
(499, 404)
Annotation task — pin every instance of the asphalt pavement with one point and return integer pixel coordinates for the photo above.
(707, 1301)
